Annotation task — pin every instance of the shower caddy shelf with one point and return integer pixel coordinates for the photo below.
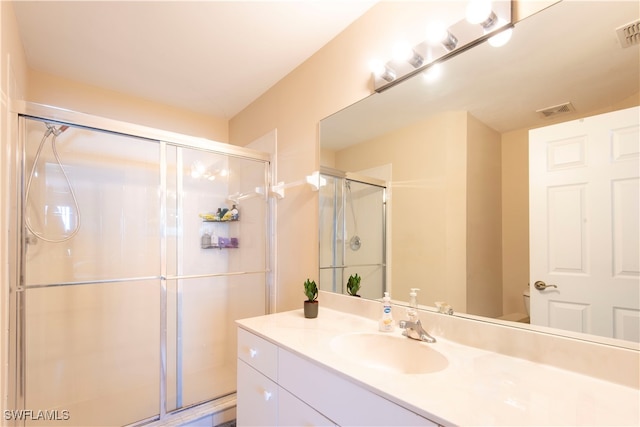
(222, 242)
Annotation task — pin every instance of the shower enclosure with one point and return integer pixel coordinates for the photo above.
(352, 233)
(122, 313)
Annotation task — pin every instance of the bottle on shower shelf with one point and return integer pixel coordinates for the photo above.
(235, 215)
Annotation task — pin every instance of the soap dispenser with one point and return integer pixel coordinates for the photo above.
(412, 312)
(386, 323)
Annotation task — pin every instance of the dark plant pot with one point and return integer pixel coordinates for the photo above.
(311, 309)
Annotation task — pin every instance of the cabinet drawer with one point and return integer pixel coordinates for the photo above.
(257, 398)
(339, 399)
(258, 353)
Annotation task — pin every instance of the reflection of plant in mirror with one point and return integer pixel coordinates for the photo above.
(353, 285)
(310, 290)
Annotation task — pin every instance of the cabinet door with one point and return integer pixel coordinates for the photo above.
(294, 412)
(341, 400)
(257, 398)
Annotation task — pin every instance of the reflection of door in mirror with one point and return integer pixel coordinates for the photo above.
(352, 234)
(584, 210)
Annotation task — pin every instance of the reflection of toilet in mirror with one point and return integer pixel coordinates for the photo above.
(520, 317)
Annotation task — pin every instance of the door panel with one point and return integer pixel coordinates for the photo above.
(585, 224)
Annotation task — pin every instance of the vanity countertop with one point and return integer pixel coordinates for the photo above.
(477, 387)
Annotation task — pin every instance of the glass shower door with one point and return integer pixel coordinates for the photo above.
(91, 302)
(216, 268)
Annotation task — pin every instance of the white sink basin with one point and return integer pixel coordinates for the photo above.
(391, 353)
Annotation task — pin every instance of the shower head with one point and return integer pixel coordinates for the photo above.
(51, 129)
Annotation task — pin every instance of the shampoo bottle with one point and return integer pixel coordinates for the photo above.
(386, 321)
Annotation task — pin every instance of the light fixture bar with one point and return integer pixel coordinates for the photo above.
(460, 37)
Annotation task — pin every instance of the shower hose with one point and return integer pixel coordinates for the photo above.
(51, 130)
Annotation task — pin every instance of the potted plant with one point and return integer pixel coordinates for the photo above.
(353, 285)
(311, 304)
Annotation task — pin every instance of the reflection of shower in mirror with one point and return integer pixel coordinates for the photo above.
(347, 203)
(355, 242)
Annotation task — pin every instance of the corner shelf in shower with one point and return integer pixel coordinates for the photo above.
(218, 247)
(223, 242)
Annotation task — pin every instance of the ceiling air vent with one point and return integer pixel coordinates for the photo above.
(629, 34)
(567, 107)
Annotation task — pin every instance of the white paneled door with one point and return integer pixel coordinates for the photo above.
(584, 225)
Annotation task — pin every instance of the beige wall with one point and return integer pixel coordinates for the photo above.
(13, 83)
(484, 220)
(515, 219)
(51, 90)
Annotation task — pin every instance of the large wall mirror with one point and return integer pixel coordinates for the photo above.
(454, 154)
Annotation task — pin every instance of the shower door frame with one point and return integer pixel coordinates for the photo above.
(23, 111)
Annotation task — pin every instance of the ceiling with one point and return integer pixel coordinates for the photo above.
(210, 57)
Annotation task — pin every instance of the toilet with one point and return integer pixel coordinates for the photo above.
(519, 317)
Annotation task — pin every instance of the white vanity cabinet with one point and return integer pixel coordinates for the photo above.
(260, 400)
(257, 376)
(278, 387)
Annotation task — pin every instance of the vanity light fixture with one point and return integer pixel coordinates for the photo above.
(486, 20)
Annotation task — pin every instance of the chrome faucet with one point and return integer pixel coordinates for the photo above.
(413, 327)
(415, 331)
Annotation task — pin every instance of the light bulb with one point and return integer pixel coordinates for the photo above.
(402, 51)
(478, 11)
(501, 38)
(379, 69)
(436, 33)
